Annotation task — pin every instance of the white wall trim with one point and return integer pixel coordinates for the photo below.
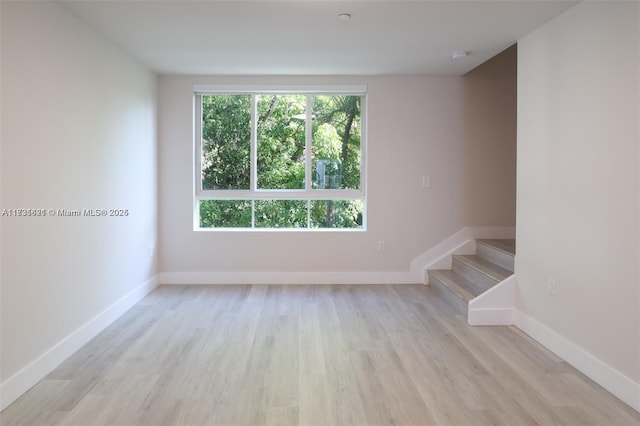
(356, 89)
(491, 316)
(495, 306)
(606, 376)
(439, 256)
(26, 378)
(249, 277)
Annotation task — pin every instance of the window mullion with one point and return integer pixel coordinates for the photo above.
(307, 144)
(253, 213)
(363, 145)
(198, 145)
(197, 154)
(254, 155)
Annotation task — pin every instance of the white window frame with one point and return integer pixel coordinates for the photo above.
(254, 193)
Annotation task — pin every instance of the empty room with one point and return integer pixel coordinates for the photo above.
(319, 212)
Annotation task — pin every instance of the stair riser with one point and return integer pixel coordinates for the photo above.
(498, 257)
(449, 296)
(473, 274)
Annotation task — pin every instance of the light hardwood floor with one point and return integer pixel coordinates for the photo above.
(311, 355)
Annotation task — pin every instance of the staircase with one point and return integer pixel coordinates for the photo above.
(472, 275)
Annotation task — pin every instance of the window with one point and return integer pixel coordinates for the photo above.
(285, 158)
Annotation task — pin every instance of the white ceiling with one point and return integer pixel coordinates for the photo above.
(305, 37)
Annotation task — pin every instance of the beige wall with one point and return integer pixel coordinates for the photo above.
(578, 191)
(78, 131)
(406, 141)
(416, 126)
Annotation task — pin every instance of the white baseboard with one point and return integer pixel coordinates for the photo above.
(491, 316)
(606, 376)
(383, 277)
(439, 255)
(457, 243)
(35, 371)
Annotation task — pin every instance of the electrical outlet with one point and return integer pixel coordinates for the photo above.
(552, 287)
(426, 181)
(380, 245)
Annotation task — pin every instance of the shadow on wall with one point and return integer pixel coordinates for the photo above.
(490, 139)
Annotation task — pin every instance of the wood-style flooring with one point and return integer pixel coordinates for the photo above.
(311, 355)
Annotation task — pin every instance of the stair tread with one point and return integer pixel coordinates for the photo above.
(489, 269)
(451, 280)
(506, 246)
(471, 287)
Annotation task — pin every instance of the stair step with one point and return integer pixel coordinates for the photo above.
(507, 246)
(480, 271)
(453, 293)
(472, 275)
(467, 289)
(500, 252)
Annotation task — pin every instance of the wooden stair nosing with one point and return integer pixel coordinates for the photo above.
(484, 267)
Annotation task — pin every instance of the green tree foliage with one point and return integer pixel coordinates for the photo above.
(226, 141)
(281, 213)
(281, 141)
(336, 134)
(281, 158)
(225, 213)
